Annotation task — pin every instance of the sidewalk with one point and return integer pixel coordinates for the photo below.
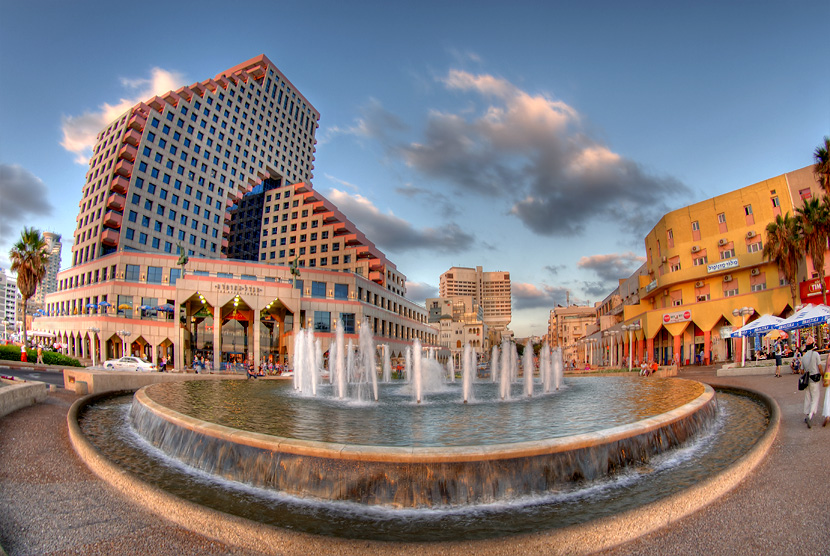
(51, 504)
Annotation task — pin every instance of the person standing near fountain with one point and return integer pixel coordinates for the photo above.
(812, 366)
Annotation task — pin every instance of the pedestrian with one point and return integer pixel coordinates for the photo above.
(812, 367)
(777, 349)
(40, 354)
(24, 357)
(825, 412)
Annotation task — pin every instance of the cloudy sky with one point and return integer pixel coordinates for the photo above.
(540, 138)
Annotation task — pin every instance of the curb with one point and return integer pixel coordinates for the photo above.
(586, 538)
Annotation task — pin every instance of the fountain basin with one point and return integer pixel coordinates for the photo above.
(414, 477)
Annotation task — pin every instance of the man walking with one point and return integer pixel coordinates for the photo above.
(40, 354)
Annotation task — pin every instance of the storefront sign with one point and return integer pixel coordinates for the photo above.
(680, 316)
(723, 265)
(237, 288)
(812, 289)
(725, 331)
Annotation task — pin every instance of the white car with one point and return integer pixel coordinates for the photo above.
(130, 364)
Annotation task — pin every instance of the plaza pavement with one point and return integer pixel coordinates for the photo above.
(51, 504)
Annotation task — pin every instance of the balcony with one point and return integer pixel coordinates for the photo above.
(157, 104)
(116, 202)
(350, 240)
(376, 277)
(124, 168)
(112, 219)
(132, 137)
(376, 264)
(120, 184)
(137, 122)
(362, 252)
(110, 237)
(226, 230)
(128, 152)
(224, 243)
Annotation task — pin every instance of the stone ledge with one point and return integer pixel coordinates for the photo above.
(15, 395)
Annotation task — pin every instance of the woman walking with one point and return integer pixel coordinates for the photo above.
(777, 350)
(812, 367)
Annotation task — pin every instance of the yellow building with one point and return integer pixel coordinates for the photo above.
(704, 261)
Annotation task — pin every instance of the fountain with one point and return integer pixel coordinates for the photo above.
(413, 445)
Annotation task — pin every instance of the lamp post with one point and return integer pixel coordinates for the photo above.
(126, 334)
(95, 332)
(631, 328)
(743, 312)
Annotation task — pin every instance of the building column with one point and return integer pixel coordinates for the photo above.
(640, 345)
(84, 350)
(676, 349)
(737, 348)
(649, 348)
(217, 338)
(707, 334)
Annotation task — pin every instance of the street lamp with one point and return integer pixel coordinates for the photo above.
(95, 332)
(743, 312)
(126, 334)
(633, 327)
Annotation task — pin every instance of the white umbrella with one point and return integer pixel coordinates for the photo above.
(761, 325)
(809, 315)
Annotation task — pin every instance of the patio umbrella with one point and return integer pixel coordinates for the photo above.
(759, 326)
(125, 307)
(104, 303)
(776, 334)
(91, 306)
(809, 315)
(166, 307)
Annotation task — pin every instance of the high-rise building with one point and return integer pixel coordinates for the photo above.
(8, 305)
(169, 169)
(53, 266)
(491, 290)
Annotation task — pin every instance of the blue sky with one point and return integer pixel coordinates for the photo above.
(540, 138)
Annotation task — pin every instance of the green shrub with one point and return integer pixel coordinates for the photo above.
(12, 353)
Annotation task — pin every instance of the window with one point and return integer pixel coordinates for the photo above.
(730, 293)
(175, 273)
(758, 287)
(133, 216)
(675, 266)
(703, 297)
(348, 322)
(701, 260)
(322, 321)
(727, 254)
(341, 291)
(677, 302)
(754, 247)
(154, 275)
(318, 289)
(721, 218)
(131, 273)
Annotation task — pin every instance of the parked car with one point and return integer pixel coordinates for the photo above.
(130, 364)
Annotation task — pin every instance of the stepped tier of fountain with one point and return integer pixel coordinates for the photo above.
(405, 454)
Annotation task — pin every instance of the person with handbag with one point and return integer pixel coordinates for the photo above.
(812, 369)
(825, 381)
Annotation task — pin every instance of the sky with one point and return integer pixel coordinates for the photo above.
(540, 138)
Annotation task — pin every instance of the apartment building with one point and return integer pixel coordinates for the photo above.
(491, 290)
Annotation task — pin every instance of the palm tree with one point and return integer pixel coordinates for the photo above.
(821, 168)
(783, 247)
(814, 224)
(29, 259)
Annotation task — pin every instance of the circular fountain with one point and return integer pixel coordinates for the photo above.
(426, 458)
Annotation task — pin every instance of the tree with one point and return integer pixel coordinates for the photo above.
(784, 247)
(29, 259)
(821, 168)
(814, 220)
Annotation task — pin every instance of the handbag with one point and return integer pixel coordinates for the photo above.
(803, 381)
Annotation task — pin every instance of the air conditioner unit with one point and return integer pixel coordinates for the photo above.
(722, 242)
(699, 284)
(750, 234)
(727, 277)
(663, 259)
(695, 249)
(755, 271)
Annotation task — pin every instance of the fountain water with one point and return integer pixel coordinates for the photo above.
(494, 363)
(387, 364)
(558, 367)
(416, 370)
(545, 368)
(339, 361)
(527, 368)
(451, 369)
(467, 373)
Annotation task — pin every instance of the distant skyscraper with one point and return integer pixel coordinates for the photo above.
(50, 283)
(169, 169)
(8, 304)
(491, 290)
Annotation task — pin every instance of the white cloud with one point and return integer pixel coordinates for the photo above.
(395, 234)
(80, 132)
